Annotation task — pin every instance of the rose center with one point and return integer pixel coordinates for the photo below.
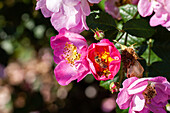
(103, 60)
(70, 53)
(149, 93)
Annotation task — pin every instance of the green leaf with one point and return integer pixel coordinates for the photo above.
(153, 56)
(118, 110)
(128, 12)
(106, 84)
(160, 69)
(103, 21)
(102, 4)
(139, 28)
(161, 45)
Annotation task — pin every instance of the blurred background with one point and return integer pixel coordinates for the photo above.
(27, 82)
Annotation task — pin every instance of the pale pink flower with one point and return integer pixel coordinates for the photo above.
(112, 7)
(104, 60)
(41, 4)
(144, 95)
(70, 51)
(67, 14)
(161, 8)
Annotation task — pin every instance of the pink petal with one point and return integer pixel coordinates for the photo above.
(138, 86)
(58, 20)
(129, 81)
(53, 5)
(144, 8)
(65, 73)
(71, 2)
(138, 102)
(154, 21)
(156, 109)
(83, 70)
(41, 4)
(112, 9)
(123, 99)
(78, 40)
(69, 10)
(85, 7)
(94, 1)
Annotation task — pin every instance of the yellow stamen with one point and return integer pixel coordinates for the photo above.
(70, 53)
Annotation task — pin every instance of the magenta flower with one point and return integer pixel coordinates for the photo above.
(70, 51)
(104, 60)
(161, 9)
(144, 95)
(67, 14)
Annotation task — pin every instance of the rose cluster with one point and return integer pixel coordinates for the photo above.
(75, 59)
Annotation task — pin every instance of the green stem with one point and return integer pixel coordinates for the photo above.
(126, 38)
(119, 37)
(149, 56)
(136, 14)
(122, 73)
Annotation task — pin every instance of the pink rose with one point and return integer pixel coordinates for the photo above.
(161, 8)
(104, 60)
(67, 14)
(70, 51)
(144, 95)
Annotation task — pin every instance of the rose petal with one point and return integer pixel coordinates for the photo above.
(139, 98)
(144, 8)
(65, 73)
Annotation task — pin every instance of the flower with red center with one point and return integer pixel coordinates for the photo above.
(70, 51)
(144, 95)
(104, 60)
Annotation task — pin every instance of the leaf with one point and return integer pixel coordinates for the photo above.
(128, 12)
(161, 45)
(139, 28)
(153, 56)
(160, 69)
(162, 49)
(106, 84)
(103, 21)
(118, 110)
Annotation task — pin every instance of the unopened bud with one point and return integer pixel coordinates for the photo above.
(114, 87)
(99, 34)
